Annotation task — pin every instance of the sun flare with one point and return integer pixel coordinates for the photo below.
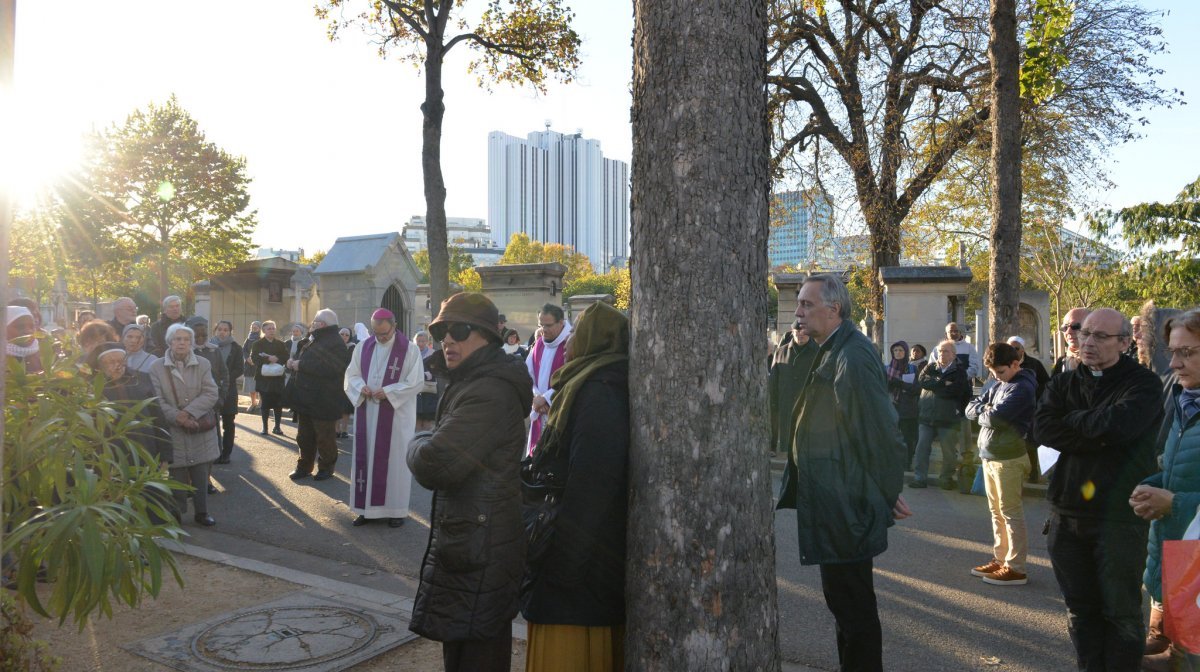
(36, 150)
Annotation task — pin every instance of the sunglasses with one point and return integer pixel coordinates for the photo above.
(459, 331)
(1074, 326)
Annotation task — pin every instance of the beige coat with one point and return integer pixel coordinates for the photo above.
(197, 395)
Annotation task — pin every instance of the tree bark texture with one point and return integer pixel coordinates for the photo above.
(701, 567)
(1004, 277)
(432, 112)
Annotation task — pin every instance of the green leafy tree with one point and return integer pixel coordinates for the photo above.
(522, 250)
(77, 489)
(616, 282)
(462, 268)
(515, 41)
(153, 192)
(880, 98)
(313, 259)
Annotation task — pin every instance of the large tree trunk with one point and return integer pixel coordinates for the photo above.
(432, 111)
(1004, 277)
(701, 564)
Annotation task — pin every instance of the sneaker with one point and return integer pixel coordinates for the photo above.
(984, 570)
(1006, 576)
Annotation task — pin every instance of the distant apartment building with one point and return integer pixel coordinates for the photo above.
(559, 188)
(272, 252)
(801, 227)
(470, 234)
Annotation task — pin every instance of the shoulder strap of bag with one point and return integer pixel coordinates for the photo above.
(174, 392)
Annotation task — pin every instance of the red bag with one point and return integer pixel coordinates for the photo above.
(1181, 591)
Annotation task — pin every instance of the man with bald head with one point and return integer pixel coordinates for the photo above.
(1072, 322)
(1102, 417)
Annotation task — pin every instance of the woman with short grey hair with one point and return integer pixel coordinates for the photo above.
(188, 395)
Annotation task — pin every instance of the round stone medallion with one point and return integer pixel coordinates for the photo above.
(283, 638)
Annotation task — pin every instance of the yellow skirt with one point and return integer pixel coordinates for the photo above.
(575, 648)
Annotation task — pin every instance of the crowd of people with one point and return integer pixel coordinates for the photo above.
(1117, 416)
(526, 450)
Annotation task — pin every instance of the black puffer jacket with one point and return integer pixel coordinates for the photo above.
(471, 460)
(321, 375)
(582, 580)
(944, 394)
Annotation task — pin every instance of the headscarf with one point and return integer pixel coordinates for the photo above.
(600, 338)
(12, 314)
(898, 367)
(361, 333)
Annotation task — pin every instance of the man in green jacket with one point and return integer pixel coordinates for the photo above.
(846, 469)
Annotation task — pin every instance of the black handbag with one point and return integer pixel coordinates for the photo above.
(541, 497)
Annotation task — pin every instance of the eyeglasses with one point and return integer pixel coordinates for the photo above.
(459, 331)
(1074, 326)
(1184, 352)
(1099, 336)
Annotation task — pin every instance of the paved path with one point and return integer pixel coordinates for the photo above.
(936, 616)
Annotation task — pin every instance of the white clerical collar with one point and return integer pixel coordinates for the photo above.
(562, 336)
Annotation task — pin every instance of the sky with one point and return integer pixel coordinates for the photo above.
(331, 132)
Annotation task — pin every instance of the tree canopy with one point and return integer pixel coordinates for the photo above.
(515, 41)
(154, 195)
(522, 250)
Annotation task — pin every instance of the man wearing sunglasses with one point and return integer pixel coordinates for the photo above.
(1103, 418)
(471, 460)
(1071, 324)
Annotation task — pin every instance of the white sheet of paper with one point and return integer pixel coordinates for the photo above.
(1047, 456)
(908, 377)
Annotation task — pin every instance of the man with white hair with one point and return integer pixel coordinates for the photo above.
(382, 382)
(172, 313)
(318, 396)
(124, 314)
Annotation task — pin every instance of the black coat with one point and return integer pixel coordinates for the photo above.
(135, 386)
(156, 344)
(1105, 428)
(258, 354)
(944, 394)
(220, 374)
(582, 579)
(1039, 371)
(235, 365)
(471, 460)
(320, 376)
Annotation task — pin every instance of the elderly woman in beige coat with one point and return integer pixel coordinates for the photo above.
(188, 394)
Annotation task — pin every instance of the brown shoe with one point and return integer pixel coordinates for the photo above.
(984, 570)
(1156, 641)
(1006, 576)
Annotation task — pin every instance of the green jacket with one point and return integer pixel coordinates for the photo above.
(847, 460)
(789, 369)
(1181, 475)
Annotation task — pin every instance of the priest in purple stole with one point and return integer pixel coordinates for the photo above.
(545, 357)
(382, 381)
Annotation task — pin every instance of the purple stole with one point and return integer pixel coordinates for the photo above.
(560, 355)
(383, 430)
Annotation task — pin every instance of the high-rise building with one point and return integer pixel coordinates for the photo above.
(800, 222)
(559, 188)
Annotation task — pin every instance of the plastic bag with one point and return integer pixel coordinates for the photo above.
(1181, 589)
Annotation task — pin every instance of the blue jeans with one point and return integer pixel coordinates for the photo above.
(948, 437)
(1099, 564)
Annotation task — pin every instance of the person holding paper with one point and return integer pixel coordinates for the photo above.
(1170, 498)
(1102, 418)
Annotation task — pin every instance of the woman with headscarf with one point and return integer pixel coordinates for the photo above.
(573, 595)
(21, 342)
(188, 393)
(902, 384)
(122, 383)
(133, 338)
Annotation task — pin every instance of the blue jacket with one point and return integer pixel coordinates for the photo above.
(1005, 414)
(1181, 475)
